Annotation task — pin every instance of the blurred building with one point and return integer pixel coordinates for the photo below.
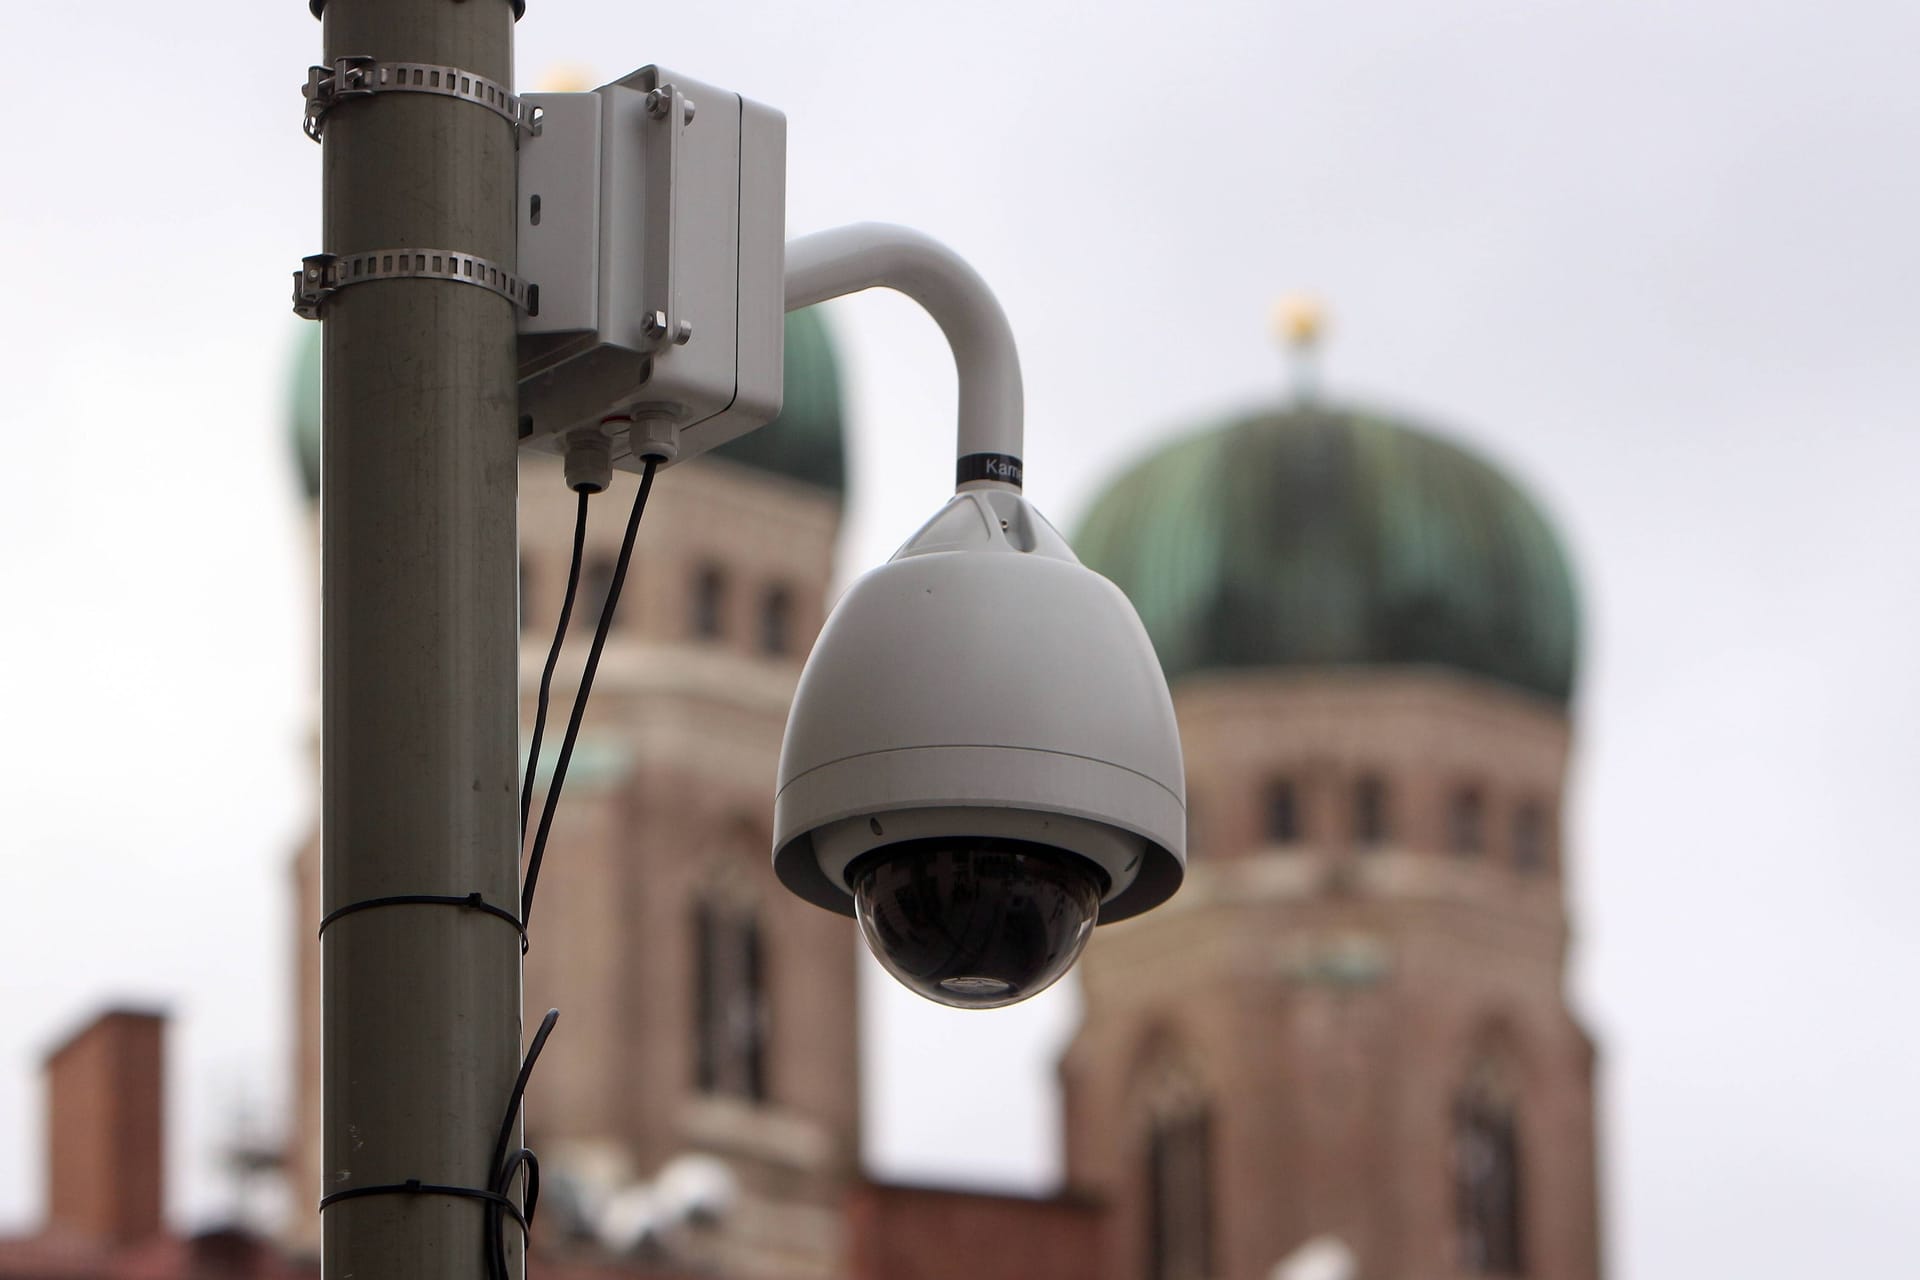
(1342, 1051)
(105, 1130)
(1350, 1023)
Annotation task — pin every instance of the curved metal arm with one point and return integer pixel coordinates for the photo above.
(876, 255)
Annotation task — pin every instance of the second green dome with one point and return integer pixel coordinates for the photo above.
(1322, 535)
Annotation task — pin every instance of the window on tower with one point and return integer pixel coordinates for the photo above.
(776, 621)
(1532, 838)
(596, 580)
(730, 1001)
(1283, 811)
(1486, 1184)
(709, 600)
(1467, 822)
(1372, 826)
(1180, 1195)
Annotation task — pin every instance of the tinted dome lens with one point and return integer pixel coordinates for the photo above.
(976, 923)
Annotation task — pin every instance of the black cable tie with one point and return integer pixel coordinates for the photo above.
(471, 902)
(415, 1187)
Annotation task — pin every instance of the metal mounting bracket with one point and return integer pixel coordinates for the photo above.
(359, 76)
(670, 111)
(322, 275)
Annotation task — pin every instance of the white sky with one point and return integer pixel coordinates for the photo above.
(1660, 259)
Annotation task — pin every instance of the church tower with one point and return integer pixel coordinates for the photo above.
(698, 1104)
(1348, 1033)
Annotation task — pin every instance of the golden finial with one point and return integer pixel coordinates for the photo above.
(567, 77)
(1299, 320)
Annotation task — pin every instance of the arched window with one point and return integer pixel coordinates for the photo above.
(1467, 822)
(1283, 811)
(1170, 1105)
(1486, 1180)
(709, 602)
(1372, 825)
(1532, 838)
(730, 1001)
(1179, 1177)
(776, 621)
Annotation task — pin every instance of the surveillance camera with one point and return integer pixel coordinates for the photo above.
(982, 762)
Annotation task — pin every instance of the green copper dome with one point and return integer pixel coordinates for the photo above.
(1322, 535)
(303, 410)
(805, 442)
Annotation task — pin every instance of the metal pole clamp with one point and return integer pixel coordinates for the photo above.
(358, 76)
(324, 274)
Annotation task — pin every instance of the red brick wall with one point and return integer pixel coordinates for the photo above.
(104, 1129)
(912, 1233)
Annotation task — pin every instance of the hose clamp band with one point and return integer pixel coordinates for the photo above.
(359, 76)
(324, 274)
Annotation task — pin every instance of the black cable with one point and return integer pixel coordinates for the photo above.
(520, 1088)
(586, 687)
(504, 1167)
(553, 659)
(497, 1215)
(507, 1165)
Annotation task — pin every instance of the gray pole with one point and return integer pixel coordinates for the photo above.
(420, 1004)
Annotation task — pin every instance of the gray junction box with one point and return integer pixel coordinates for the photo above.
(652, 224)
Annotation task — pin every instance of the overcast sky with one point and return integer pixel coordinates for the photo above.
(1660, 259)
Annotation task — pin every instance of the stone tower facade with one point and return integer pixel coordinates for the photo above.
(1348, 1032)
(704, 1011)
(1349, 1023)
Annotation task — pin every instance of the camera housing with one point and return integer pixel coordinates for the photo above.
(982, 761)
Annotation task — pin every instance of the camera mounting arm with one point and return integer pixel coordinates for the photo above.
(877, 255)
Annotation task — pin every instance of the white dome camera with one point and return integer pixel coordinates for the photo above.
(982, 759)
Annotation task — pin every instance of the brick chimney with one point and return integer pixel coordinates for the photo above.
(105, 1099)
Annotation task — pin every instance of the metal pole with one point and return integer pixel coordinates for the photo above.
(420, 1003)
